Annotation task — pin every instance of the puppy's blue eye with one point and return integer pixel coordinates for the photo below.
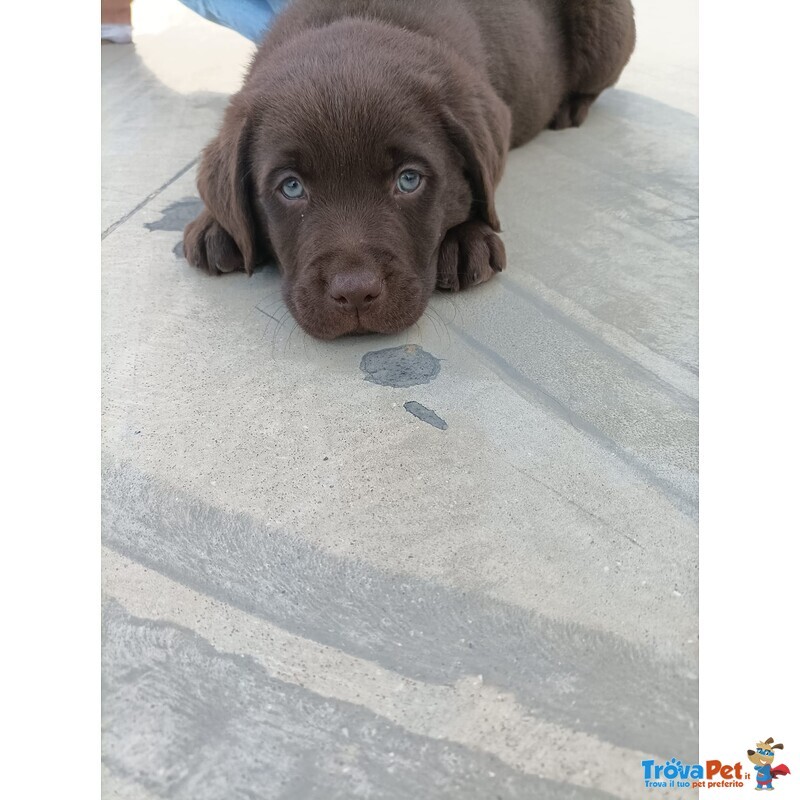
(292, 188)
(409, 181)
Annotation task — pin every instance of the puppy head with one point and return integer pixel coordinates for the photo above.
(764, 753)
(350, 153)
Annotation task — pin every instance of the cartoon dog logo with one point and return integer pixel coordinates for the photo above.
(762, 757)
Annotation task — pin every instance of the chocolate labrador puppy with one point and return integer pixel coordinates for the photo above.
(363, 151)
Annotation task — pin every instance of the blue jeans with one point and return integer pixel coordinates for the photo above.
(251, 18)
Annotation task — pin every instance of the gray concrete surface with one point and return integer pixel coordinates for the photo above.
(321, 581)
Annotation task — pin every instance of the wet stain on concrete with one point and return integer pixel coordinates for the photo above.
(425, 414)
(177, 215)
(400, 367)
(178, 250)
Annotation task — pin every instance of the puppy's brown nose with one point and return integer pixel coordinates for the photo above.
(354, 291)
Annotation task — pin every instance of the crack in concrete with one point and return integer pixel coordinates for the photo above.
(122, 220)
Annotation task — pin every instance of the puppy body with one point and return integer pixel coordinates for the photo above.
(390, 122)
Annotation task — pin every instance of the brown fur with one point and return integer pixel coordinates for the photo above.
(344, 96)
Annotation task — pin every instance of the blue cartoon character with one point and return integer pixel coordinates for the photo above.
(762, 757)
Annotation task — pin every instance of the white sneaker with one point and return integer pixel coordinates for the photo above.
(118, 34)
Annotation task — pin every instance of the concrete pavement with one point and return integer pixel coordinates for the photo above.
(311, 588)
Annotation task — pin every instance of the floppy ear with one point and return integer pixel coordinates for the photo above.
(226, 186)
(479, 125)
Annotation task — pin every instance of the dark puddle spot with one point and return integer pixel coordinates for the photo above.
(400, 367)
(425, 414)
(178, 250)
(177, 215)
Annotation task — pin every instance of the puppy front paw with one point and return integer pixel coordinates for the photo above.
(471, 253)
(208, 246)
